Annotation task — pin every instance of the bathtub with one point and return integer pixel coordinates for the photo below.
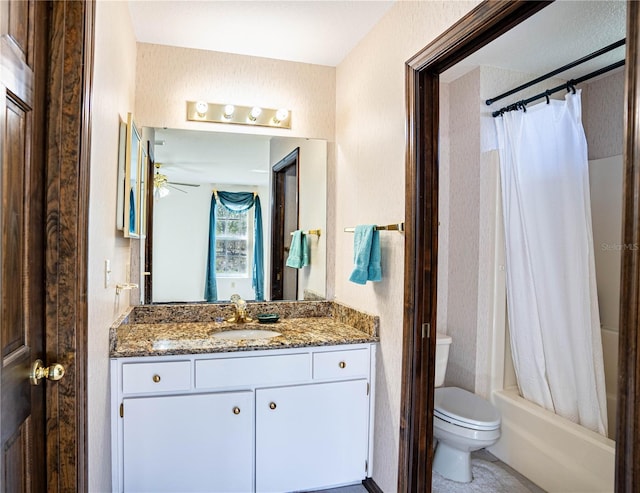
(556, 454)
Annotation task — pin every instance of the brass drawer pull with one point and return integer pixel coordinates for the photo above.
(236, 410)
(156, 378)
(272, 405)
(342, 364)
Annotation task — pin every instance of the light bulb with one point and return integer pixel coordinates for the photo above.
(201, 108)
(255, 113)
(228, 111)
(281, 114)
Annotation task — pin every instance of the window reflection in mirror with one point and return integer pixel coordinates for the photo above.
(197, 162)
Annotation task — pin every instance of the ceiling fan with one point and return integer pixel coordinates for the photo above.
(162, 185)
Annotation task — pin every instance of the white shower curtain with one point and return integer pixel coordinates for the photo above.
(551, 287)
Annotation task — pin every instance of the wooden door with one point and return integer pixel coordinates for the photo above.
(284, 280)
(23, 51)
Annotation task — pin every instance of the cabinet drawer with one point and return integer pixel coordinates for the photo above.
(261, 370)
(341, 364)
(156, 377)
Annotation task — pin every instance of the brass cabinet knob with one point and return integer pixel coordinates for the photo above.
(236, 410)
(156, 378)
(272, 405)
(38, 372)
(342, 364)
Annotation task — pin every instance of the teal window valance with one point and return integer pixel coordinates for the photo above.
(237, 202)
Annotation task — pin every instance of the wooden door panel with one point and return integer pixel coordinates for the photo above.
(18, 464)
(16, 393)
(18, 26)
(16, 460)
(22, 437)
(13, 190)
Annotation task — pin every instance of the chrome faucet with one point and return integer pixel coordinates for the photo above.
(240, 315)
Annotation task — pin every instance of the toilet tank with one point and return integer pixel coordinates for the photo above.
(443, 342)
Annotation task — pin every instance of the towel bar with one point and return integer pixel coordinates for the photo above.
(315, 232)
(388, 227)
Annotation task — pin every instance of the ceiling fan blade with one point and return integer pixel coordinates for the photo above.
(170, 185)
(184, 184)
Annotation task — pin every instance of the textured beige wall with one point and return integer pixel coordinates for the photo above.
(168, 77)
(442, 301)
(370, 186)
(113, 97)
(464, 200)
(602, 115)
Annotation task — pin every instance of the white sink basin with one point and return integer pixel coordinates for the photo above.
(237, 334)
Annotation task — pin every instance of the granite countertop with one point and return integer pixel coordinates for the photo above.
(161, 339)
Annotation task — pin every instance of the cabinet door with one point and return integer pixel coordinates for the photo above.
(189, 443)
(311, 436)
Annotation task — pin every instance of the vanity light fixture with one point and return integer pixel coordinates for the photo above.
(200, 111)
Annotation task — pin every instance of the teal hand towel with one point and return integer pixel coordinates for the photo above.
(299, 251)
(374, 273)
(366, 255)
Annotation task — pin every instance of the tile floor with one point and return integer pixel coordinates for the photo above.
(480, 454)
(358, 488)
(489, 457)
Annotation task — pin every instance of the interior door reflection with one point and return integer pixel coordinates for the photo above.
(284, 282)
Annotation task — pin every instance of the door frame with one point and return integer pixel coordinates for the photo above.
(277, 217)
(67, 150)
(482, 25)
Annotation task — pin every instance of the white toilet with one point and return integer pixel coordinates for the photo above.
(462, 422)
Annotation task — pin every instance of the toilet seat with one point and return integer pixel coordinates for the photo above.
(462, 408)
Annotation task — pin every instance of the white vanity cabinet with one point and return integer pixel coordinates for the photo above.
(312, 435)
(252, 421)
(180, 443)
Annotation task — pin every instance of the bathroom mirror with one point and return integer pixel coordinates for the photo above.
(189, 166)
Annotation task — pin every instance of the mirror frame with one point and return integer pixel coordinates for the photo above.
(129, 183)
(482, 25)
(122, 157)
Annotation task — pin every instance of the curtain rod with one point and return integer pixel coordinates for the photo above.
(568, 85)
(586, 58)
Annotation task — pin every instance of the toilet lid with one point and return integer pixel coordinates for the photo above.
(465, 409)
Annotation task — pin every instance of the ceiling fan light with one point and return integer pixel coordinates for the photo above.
(161, 192)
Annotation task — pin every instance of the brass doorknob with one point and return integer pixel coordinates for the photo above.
(272, 405)
(236, 410)
(39, 371)
(342, 364)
